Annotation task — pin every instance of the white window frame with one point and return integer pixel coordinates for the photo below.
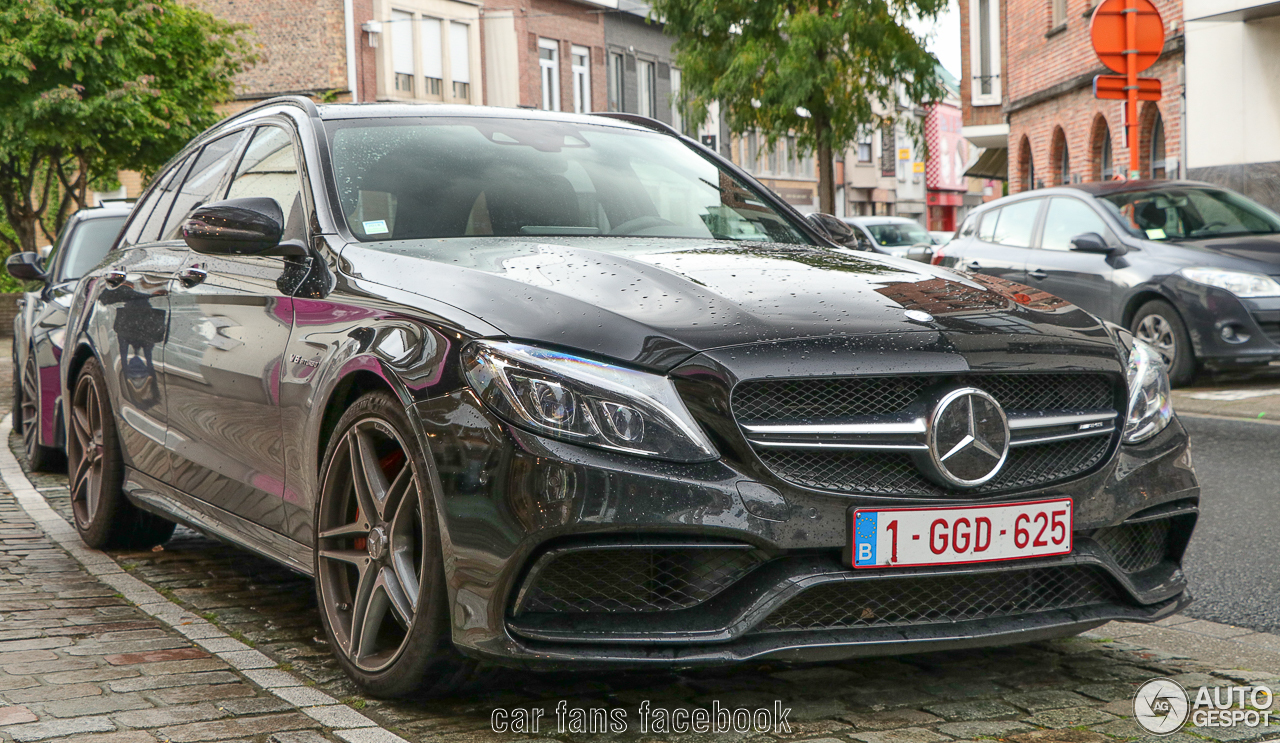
(549, 70)
(581, 78)
(977, 97)
(646, 84)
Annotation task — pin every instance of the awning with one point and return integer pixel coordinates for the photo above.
(992, 163)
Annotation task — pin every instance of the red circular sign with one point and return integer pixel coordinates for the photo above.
(1109, 31)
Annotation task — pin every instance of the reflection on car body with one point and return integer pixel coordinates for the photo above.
(573, 391)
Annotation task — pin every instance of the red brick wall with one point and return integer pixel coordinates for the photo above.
(1037, 62)
(569, 23)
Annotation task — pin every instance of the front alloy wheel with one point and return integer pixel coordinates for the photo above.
(378, 557)
(1159, 324)
(39, 457)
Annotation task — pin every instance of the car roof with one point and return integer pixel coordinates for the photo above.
(1101, 188)
(880, 220)
(340, 111)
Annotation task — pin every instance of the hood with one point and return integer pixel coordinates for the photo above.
(655, 302)
(1261, 248)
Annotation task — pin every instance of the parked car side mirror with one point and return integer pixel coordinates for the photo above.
(248, 226)
(1092, 242)
(815, 221)
(26, 266)
(921, 253)
(836, 229)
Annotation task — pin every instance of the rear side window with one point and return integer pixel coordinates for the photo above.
(89, 245)
(201, 182)
(987, 233)
(969, 227)
(1016, 224)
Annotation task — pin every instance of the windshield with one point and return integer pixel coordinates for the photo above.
(899, 233)
(402, 179)
(1190, 213)
(89, 242)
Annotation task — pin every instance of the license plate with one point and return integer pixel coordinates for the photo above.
(904, 537)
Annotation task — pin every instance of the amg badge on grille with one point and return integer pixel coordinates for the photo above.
(968, 439)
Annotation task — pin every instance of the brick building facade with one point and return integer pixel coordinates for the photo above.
(1028, 68)
(545, 54)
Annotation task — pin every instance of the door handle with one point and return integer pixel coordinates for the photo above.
(115, 277)
(192, 275)
(1038, 274)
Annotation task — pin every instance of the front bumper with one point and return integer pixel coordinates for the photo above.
(507, 498)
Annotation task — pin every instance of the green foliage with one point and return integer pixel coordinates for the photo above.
(848, 63)
(91, 87)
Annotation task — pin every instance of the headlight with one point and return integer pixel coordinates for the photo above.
(587, 402)
(1150, 402)
(1239, 283)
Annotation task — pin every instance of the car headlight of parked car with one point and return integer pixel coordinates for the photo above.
(1239, 283)
(1150, 401)
(584, 401)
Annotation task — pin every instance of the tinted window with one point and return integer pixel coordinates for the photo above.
(269, 168)
(1067, 218)
(896, 234)
(200, 183)
(1016, 223)
(164, 194)
(442, 178)
(88, 244)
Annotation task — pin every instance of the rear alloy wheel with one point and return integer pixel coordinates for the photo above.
(379, 572)
(39, 457)
(1159, 324)
(103, 514)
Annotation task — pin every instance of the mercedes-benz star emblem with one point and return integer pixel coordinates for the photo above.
(1161, 706)
(918, 315)
(968, 439)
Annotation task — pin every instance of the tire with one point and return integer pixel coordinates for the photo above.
(27, 402)
(1159, 324)
(380, 582)
(103, 514)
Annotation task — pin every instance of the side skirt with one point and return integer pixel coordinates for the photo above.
(160, 498)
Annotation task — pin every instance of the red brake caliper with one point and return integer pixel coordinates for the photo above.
(388, 464)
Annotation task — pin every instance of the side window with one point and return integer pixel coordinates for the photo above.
(145, 209)
(1066, 219)
(201, 182)
(165, 194)
(987, 233)
(969, 227)
(270, 168)
(1016, 223)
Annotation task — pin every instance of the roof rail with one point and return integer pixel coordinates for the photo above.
(301, 101)
(639, 120)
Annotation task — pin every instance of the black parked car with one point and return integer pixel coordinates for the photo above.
(40, 327)
(572, 391)
(1190, 268)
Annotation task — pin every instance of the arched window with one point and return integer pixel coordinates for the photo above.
(1159, 170)
(1026, 167)
(1103, 159)
(1060, 159)
(1108, 159)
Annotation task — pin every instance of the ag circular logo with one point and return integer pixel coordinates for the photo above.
(1161, 706)
(968, 439)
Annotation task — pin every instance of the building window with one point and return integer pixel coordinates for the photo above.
(581, 68)
(402, 51)
(432, 57)
(984, 51)
(460, 60)
(646, 85)
(677, 119)
(1159, 169)
(864, 151)
(616, 80)
(549, 65)
(1058, 13)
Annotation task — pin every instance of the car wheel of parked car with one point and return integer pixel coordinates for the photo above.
(40, 458)
(103, 514)
(1158, 323)
(378, 559)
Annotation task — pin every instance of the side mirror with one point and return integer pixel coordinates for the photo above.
(921, 253)
(815, 221)
(26, 266)
(1092, 242)
(249, 226)
(835, 229)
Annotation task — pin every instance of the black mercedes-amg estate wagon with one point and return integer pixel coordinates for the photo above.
(560, 391)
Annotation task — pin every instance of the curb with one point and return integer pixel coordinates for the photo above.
(256, 667)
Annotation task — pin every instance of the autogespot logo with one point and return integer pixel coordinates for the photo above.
(1161, 706)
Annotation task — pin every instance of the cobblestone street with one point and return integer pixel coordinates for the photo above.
(79, 660)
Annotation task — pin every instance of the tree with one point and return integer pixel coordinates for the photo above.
(824, 69)
(92, 87)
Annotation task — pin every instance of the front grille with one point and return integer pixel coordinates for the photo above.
(893, 473)
(1136, 547)
(887, 472)
(1271, 330)
(635, 579)
(773, 401)
(934, 600)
